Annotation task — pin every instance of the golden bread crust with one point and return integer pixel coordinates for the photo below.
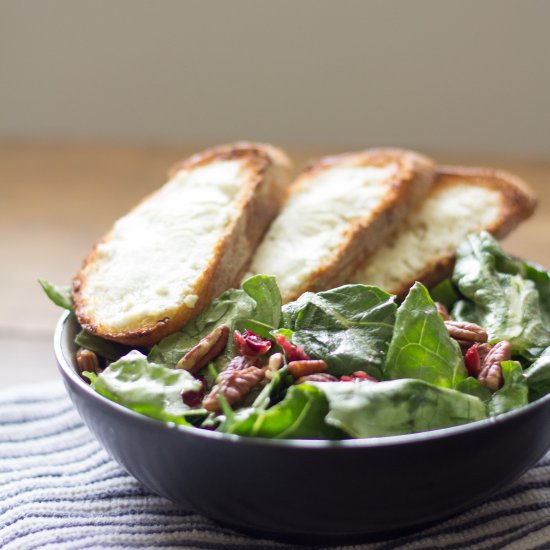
(260, 201)
(414, 179)
(518, 202)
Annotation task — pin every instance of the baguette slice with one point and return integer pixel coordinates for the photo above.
(183, 245)
(339, 210)
(462, 201)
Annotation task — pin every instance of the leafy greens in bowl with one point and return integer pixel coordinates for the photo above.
(352, 362)
(307, 460)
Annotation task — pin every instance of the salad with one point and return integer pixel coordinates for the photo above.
(350, 362)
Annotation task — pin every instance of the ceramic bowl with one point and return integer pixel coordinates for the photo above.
(309, 489)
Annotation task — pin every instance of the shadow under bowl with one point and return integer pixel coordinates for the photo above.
(306, 490)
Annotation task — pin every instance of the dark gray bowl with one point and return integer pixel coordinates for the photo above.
(312, 489)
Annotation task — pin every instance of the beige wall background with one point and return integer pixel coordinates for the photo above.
(465, 76)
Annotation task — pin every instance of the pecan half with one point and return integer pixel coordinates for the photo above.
(443, 311)
(88, 361)
(491, 371)
(205, 351)
(470, 332)
(233, 384)
(305, 367)
(317, 377)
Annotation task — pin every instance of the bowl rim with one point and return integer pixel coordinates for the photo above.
(372, 442)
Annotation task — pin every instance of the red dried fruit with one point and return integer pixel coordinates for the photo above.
(194, 398)
(472, 360)
(292, 352)
(251, 344)
(362, 375)
(358, 376)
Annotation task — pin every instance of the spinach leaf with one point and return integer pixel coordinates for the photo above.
(147, 388)
(514, 392)
(464, 310)
(538, 376)
(472, 386)
(506, 305)
(541, 278)
(265, 292)
(60, 295)
(445, 293)
(274, 390)
(349, 327)
(300, 415)
(104, 348)
(373, 409)
(421, 347)
(257, 303)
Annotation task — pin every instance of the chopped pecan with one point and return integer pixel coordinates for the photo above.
(483, 350)
(205, 351)
(239, 363)
(87, 361)
(251, 344)
(318, 377)
(306, 367)
(233, 384)
(470, 332)
(276, 362)
(443, 311)
(491, 371)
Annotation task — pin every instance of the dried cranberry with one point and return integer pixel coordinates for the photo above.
(362, 375)
(292, 352)
(251, 344)
(472, 360)
(194, 398)
(358, 376)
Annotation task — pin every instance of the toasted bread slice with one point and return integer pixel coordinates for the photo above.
(462, 201)
(163, 262)
(339, 210)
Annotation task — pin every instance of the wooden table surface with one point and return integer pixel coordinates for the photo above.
(57, 200)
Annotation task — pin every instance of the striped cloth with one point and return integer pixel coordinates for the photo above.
(59, 489)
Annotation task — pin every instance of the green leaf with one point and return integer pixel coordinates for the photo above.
(348, 327)
(265, 292)
(445, 293)
(301, 415)
(464, 310)
(538, 376)
(104, 348)
(60, 295)
(258, 303)
(421, 347)
(274, 390)
(373, 409)
(541, 279)
(514, 392)
(505, 304)
(147, 388)
(472, 386)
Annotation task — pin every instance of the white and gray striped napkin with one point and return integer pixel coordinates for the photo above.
(60, 489)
